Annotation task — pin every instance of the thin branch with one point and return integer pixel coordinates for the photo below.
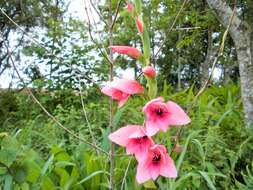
(91, 37)
(98, 12)
(112, 158)
(187, 28)
(45, 110)
(19, 27)
(170, 29)
(116, 13)
(139, 76)
(101, 39)
(85, 115)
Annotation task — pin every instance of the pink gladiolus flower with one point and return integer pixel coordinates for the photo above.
(121, 89)
(139, 25)
(159, 115)
(130, 51)
(157, 162)
(149, 71)
(134, 138)
(130, 7)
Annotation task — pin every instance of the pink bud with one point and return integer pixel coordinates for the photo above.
(149, 71)
(139, 25)
(178, 148)
(130, 51)
(130, 7)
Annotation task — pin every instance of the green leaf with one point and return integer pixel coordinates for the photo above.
(146, 45)
(152, 87)
(93, 175)
(19, 174)
(33, 171)
(25, 186)
(62, 164)
(60, 154)
(137, 6)
(224, 116)
(150, 184)
(200, 149)
(7, 156)
(182, 155)
(47, 184)
(9, 142)
(47, 165)
(176, 184)
(105, 145)
(117, 116)
(64, 176)
(8, 182)
(208, 180)
(3, 170)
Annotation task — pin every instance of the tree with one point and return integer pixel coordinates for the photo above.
(241, 33)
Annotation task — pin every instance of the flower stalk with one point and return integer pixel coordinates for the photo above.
(112, 160)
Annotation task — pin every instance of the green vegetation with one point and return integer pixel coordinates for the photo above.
(36, 154)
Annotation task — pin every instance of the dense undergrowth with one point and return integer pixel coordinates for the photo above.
(216, 153)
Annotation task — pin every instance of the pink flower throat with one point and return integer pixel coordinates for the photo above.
(159, 111)
(156, 158)
(142, 139)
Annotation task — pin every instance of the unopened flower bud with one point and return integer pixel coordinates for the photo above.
(127, 50)
(130, 7)
(149, 71)
(178, 148)
(139, 25)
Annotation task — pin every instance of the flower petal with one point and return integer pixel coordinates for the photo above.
(107, 90)
(127, 86)
(142, 173)
(121, 136)
(177, 115)
(141, 132)
(168, 169)
(151, 127)
(123, 101)
(154, 171)
(156, 100)
(139, 147)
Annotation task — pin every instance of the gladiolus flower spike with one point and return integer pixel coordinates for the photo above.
(153, 159)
